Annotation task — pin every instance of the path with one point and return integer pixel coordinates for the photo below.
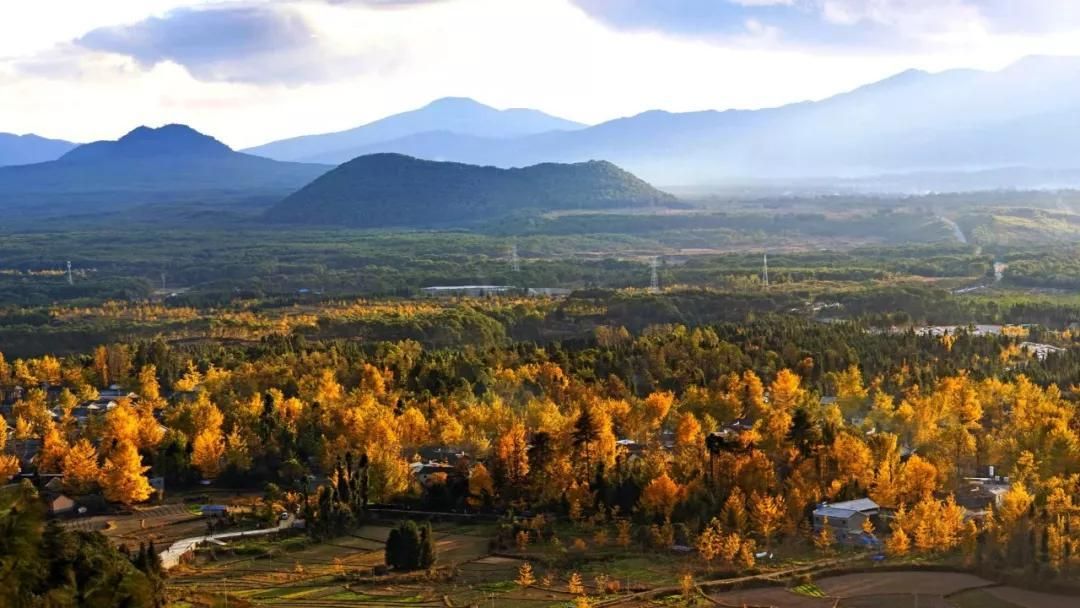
(171, 556)
(723, 582)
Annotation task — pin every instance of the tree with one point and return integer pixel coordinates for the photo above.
(898, 544)
(427, 547)
(586, 432)
(80, 468)
(661, 496)
(121, 426)
(574, 586)
(825, 539)
(53, 448)
(657, 406)
(208, 450)
(48, 565)
(512, 456)
(122, 476)
(409, 547)
(917, 481)
(9, 467)
(481, 487)
(767, 513)
(525, 577)
(237, 454)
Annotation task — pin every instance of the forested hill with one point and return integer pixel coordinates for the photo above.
(395, 190)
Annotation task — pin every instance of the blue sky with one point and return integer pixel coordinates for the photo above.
(250, 71)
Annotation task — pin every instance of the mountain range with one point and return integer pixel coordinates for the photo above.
(1024, 116)
(382, 190)
(1016, 127)
(447, 116)
(166, 165)
(27, 149)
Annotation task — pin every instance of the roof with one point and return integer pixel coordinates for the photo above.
(835, 513)
(860, 504)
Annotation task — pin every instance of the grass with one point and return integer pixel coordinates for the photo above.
(809, 590)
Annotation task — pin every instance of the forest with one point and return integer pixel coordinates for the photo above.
(722, 435)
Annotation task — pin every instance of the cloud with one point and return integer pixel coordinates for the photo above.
(887, 24)
(252, 43)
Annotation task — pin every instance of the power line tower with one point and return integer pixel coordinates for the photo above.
(765, 269)
(71, 277)
(654, 279)
(515, 261)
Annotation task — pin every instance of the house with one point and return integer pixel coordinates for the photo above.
(427, 473)
(60, 504)
(55, 483)
(847, 519)
(448, 455)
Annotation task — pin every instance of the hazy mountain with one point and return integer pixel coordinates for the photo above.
(1026, 115)
(26, 149)
(171, 164)
(460, 116)
(396, 190)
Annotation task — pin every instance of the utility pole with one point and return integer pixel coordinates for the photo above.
(515, 262)
(765, 269)
(654, 280)
(71, 277)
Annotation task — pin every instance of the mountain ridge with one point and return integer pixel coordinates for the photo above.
(460, 115)
(148, 166)
(29, 148)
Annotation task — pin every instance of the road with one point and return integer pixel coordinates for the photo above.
(171, 556)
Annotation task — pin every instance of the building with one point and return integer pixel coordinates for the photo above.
(471, 291)
(862, 505)
(847, 520)
(547, 292)
(427, 473)
(214, 510)
(60, 504)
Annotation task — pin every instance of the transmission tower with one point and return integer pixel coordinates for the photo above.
(71, 277)
(765, 268)
(654, 280)
(515, 262)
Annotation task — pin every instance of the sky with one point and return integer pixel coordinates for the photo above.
(252, 71)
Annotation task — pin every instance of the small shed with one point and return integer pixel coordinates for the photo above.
(61, 504)
(214, 510)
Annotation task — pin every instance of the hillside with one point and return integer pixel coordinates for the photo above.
(169, 165)
(395, 190)
(27, 149)
(452, 115)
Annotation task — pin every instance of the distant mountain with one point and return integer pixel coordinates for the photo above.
(26, 149)
(452, 115)
(395, 190)
(1026, 115)
(171, 164)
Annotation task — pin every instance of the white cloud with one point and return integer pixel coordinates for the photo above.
(546, 54)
